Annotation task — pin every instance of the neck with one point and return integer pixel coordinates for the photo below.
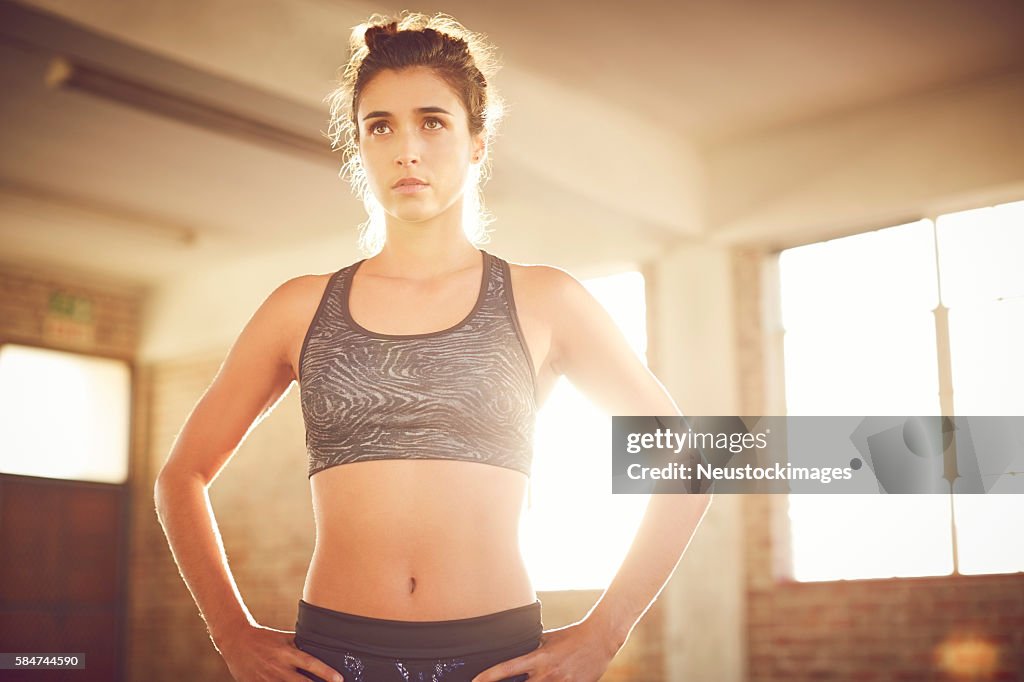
(426, 249)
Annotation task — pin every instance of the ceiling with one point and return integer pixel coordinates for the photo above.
(92, 184)
(711, 70)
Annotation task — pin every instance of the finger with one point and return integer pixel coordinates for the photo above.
(313, 664)
(328, 673)
(509, 668)
(298, 677)
(318, 667)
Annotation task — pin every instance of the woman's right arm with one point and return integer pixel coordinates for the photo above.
(253, 377)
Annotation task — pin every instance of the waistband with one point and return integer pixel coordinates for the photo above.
(515, 627)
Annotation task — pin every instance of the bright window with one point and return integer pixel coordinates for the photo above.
(576, 533)
(860, 339)
(63, 415)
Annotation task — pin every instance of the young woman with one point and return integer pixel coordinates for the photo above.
(420, 370)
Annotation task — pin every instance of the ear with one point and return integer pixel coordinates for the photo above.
(479, 148)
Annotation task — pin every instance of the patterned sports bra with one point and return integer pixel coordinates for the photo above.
(464, 393)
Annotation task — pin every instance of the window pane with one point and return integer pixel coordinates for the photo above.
(985, 347)
(983, 284)
(871, 274)
(576, 532)
(869, 365)
(989, 536)
(980, 254)
(870, 536)
(988, 372)
(63, 415)
(860, 340)
(622, 295)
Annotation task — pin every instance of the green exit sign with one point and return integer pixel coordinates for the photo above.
(71, 307)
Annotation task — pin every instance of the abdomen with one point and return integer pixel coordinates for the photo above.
(418, 540)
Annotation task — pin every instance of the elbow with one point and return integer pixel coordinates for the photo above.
(169, 479)
(162, 480)
(159, 497)
(160, 488)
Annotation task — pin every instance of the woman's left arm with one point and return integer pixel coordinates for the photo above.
(591, 351)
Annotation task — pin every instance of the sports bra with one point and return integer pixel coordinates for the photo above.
(464, 393)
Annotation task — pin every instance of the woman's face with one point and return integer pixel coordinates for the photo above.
(411, 124)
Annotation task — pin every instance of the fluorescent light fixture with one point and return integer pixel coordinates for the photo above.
(72, 75)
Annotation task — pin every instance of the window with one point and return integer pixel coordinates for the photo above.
(864, 319)
(63, 415)
(576, 533)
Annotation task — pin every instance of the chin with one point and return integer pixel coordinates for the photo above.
(413, 216)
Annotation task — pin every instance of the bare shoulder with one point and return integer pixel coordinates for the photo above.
(552, 296)
(549, 284)
(296, 296)
(297, 289)
(543, 281)
(296, 301)
(544, 289)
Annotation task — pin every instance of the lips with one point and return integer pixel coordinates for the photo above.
(409, 181)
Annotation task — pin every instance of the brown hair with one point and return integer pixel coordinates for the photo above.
(462, 59)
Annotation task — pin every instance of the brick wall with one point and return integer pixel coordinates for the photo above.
(881, 629)
(64, 310)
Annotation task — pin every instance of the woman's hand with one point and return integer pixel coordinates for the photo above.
(260, 654)
(575, 653)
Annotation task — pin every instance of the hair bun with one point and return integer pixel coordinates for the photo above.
(379, 35)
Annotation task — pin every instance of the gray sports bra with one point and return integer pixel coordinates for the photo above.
(464, 393)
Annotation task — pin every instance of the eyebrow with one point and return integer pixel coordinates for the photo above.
(421, 110)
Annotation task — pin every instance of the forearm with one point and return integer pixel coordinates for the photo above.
(664, 533)
(186, 515)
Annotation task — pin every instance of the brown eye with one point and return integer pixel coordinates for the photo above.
(438, 121)
(375, 126)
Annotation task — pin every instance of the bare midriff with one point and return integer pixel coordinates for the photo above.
(418, 540)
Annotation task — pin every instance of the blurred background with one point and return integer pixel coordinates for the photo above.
(789, 207)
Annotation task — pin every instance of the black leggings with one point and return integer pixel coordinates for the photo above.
(367, 649)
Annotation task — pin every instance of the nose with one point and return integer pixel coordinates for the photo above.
(408, 152)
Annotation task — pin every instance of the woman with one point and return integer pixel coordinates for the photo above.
(417, 366)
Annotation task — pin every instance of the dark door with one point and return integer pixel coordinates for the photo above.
(63, 574)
